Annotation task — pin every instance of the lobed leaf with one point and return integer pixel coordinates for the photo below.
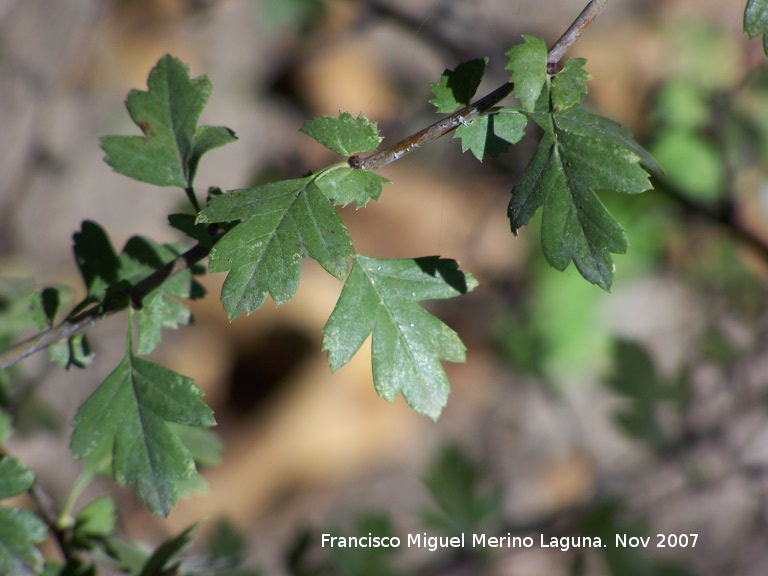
(569, 85)
(167, 113)
(283, 222)
(380, 297)
(579, 154)
(128, 415)
(528, 63)
(345, 135)
(457, 87)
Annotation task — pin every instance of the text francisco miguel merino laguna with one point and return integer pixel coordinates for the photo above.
(432, 543)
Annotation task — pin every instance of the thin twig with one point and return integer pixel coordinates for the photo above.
(469, 113)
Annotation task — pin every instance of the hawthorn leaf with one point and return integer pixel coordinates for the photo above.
(128, 415)
(756, 20)
(381, 297)
(96, 258)
(20, 530)
(73, 351)
(342, 185)
(570, 84)
(167, 113)
(528, 63)
(345, 135)
(96, 519)
(283, 222)
(491, 134)
(159, 563)
(457, 87)
(579, 154)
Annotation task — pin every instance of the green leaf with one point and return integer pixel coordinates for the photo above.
(756, 20)
(167, 113)
(97, 519)
(344, 135)
(6, 426)
(204, 445)
(570, 84)
(457, 87)
(96, 258)
(342, 185)
(14, 478)
(579, 155)
(460, 491)
(528, 63)
(129, 412)
(74, 351)
(158, 564)
(186, 223)
(20, 530)
(45, 307)
(381, 297)
(491, 133)
(691, 162)
(284, 221)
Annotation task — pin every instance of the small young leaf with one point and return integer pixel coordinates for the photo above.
(491, 134)
(74, 351)
(457, 87)
(129, 413)
(579, 154)
(96, 258)
(344, 185)
(456, 484)
(45, 307)
(756, 20)
(167, 113)
(97, 519)
(345, 135)
(381, 297)
(284, 221)
(570, 84)
(20, 530)
(528, 63)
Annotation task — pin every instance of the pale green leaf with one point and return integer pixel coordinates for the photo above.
(756, 20)
(380, 297)
(97, 519)
(14, 478)
(570, 84)
(345, 184)
(345, 135)
(528, 63)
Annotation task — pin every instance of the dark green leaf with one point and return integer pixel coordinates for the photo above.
(20, 530)
(129, 413)
(186, 224)
(96, 258)
(45, 307)
(159, 563)
(756, 20)
(570, 84)
(381, 297)
(460, 491)
(284, 221)
(344, 185)
(14, 478)
(170, 150)
(579, 155)
(344, 135)
(457, 87)
(528, 63)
